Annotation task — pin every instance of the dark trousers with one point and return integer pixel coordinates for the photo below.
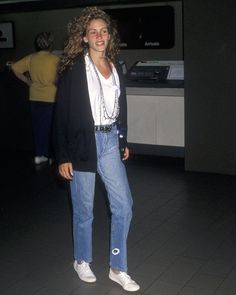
(42, 113)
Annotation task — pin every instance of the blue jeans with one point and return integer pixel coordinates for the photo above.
(113, 173)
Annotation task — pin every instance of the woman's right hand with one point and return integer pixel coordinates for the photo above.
(66, 170)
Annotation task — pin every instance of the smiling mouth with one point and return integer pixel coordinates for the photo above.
(100, 43)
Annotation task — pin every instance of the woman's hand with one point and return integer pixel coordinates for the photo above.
(126, 154)
(66, 170)
(23, 77)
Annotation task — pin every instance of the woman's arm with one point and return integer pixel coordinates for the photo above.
(22, 77)
(21, 69)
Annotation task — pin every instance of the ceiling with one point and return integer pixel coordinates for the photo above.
(15, 1)
(9, 6)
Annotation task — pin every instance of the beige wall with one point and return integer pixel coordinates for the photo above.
(28, 24)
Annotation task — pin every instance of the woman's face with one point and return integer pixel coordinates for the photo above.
(97, 35)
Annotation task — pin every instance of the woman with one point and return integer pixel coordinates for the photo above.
(90, 127)
(39, 71)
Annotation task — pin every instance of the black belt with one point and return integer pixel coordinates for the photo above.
(104, 128)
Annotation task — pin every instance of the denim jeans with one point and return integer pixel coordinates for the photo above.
(113, 174)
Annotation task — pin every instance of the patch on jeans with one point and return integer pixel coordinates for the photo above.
(115, 251)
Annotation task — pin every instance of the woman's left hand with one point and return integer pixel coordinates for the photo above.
(126, 154)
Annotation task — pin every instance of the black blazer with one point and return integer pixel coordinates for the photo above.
(73, 128)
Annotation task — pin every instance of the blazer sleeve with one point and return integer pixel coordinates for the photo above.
(122, 118)
(61, 119)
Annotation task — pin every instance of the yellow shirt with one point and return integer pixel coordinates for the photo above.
(42, 67)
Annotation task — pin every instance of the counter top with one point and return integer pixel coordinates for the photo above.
(155, 91)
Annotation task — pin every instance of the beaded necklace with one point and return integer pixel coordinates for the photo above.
(115, 112)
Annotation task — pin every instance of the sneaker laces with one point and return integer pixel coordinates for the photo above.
(126, 277)
(86, 267)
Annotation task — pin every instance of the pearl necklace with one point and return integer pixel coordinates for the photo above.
(115, 112)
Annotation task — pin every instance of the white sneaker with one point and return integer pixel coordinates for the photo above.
(84, 272)
(40, 159)
(124, 280)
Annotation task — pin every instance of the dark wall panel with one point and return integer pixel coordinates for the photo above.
(15, 117)
(210, 87)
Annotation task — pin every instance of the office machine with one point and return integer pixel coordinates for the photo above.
(158, 73)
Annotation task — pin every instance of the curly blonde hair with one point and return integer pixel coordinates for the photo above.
(77, 30)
